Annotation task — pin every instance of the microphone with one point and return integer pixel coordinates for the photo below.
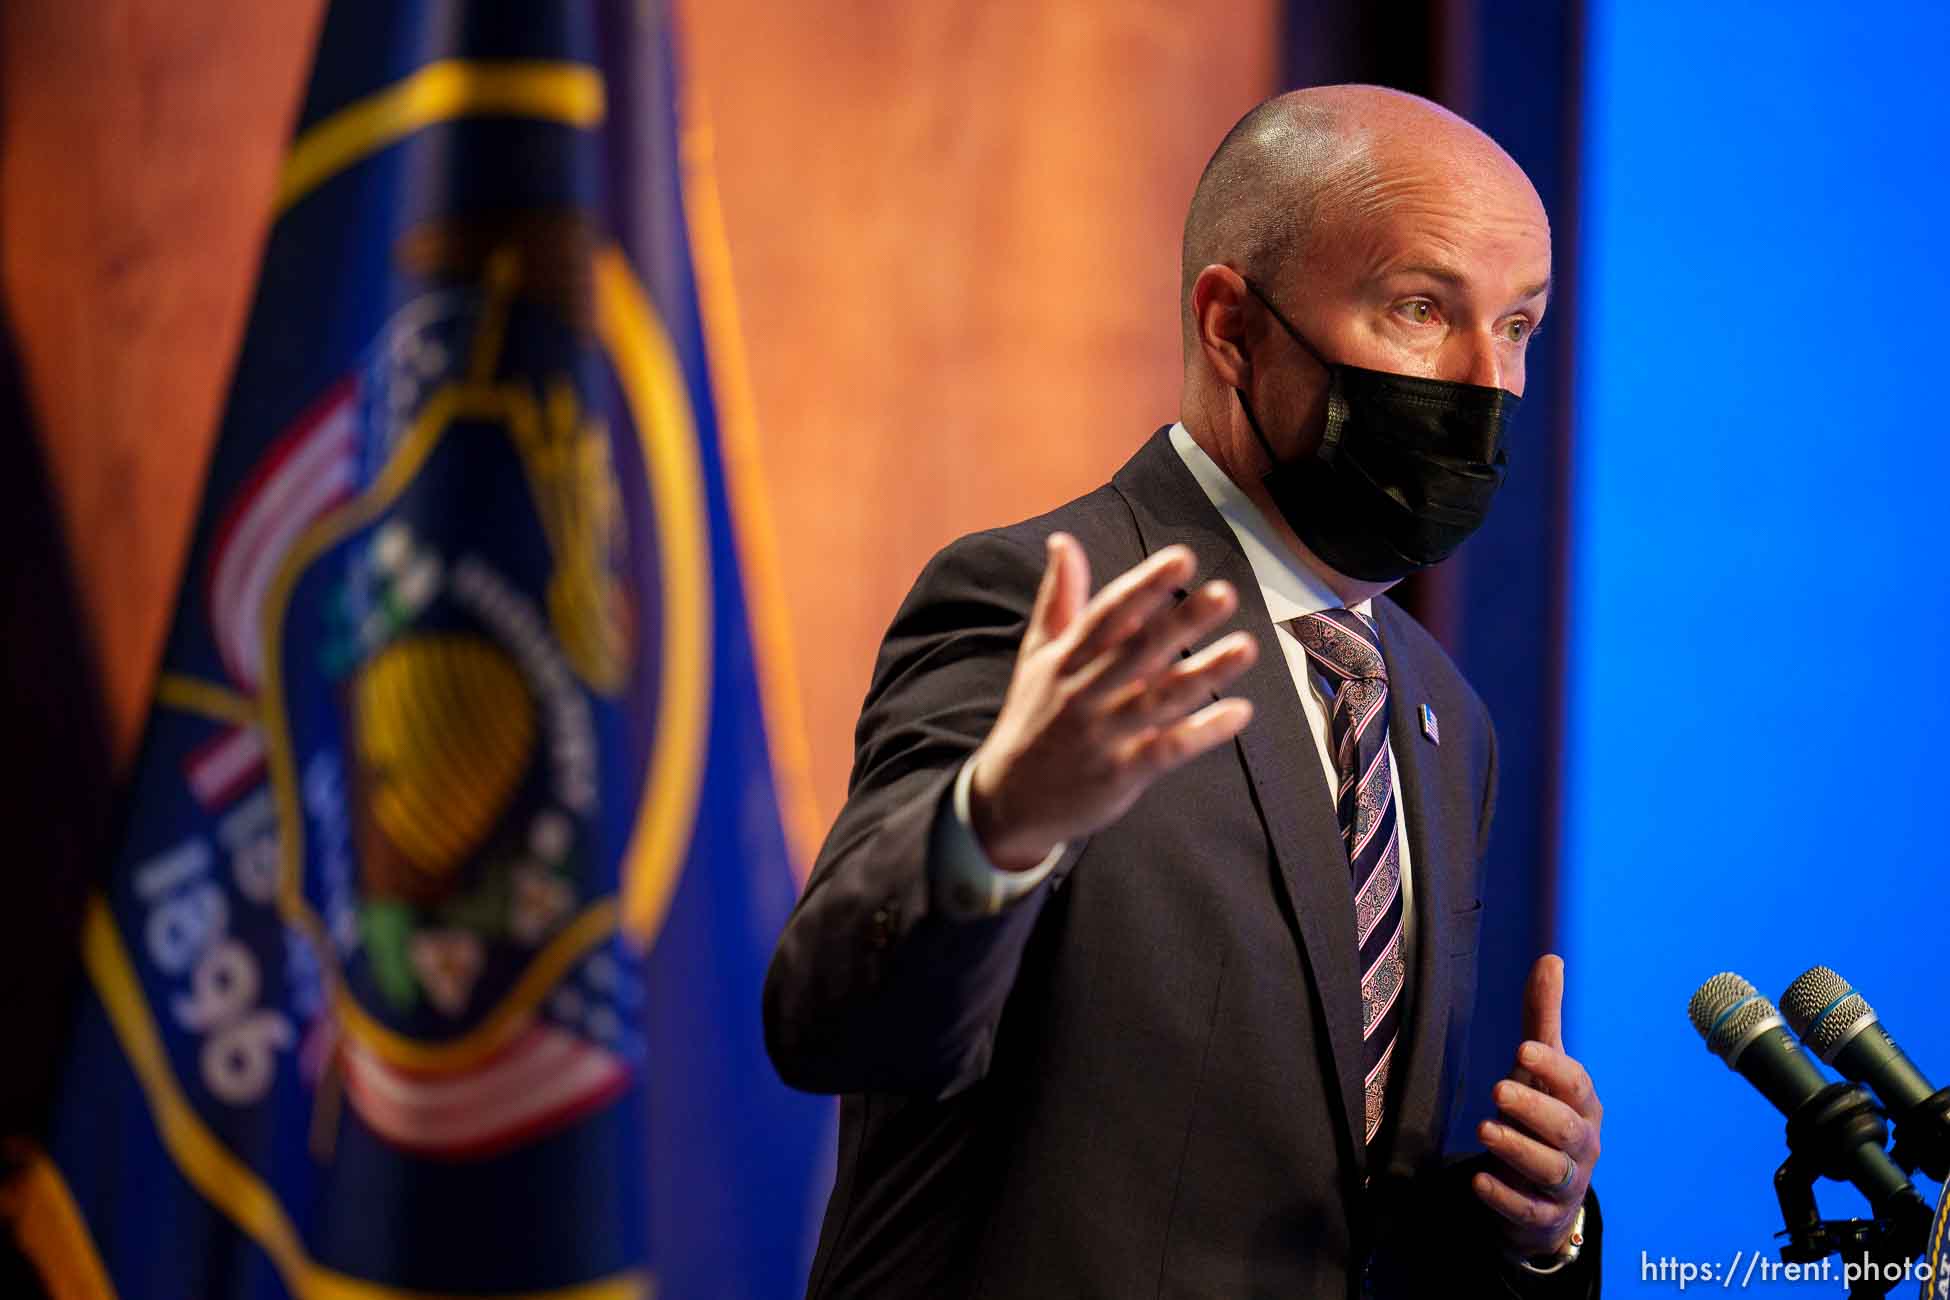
(1842, 1029)
(1743, 1029)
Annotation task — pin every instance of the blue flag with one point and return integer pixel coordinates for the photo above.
(1934, 1265)
(429, 963)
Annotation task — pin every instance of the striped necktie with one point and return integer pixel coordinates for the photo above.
(1343, 645)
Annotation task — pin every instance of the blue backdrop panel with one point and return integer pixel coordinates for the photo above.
(1758, 704)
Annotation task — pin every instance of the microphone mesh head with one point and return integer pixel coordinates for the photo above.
(1810, 995)
(1838, 1026)
(1752, 1016)
(1815, 992)
(1714, 997)
(1728, 1011)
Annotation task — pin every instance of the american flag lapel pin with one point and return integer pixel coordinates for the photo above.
(1429, 727)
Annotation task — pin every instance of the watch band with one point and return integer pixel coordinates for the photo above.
(1566, 1254)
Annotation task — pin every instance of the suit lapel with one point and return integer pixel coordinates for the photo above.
(1418, 765)
(1279, 754)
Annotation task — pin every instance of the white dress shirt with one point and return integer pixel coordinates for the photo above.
(967, 884)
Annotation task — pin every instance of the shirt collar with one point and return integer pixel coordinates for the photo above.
(1289, 588)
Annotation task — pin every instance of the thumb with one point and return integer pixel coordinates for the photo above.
(1065, 587)
(1543, 1002)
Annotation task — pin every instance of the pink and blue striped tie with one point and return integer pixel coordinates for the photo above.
(1343, 645)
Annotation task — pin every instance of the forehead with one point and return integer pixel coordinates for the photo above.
(1478, 218)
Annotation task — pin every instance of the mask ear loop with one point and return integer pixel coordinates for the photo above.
(1330, 437)
(1245, 404)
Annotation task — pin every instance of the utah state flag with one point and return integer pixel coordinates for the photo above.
(429, 963)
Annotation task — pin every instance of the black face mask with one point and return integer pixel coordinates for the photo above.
(1405, 469)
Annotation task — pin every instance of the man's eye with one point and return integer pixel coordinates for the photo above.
(1516, 331)
(1419, 311)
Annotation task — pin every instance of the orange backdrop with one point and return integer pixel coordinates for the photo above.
(953, 231)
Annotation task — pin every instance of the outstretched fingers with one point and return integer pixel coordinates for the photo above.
(1126, 604)
(1165, 636)
(1168, 695)
(1061, 595)
(1158, 750)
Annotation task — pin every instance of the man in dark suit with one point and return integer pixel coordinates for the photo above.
(1133, 990)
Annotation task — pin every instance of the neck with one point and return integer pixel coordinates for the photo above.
(1234, 449)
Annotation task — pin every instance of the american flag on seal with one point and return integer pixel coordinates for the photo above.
(312, 468)
(572, 1057)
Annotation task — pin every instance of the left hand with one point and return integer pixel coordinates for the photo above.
(1548, 1127)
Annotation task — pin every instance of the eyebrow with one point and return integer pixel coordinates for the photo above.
(1455, 280)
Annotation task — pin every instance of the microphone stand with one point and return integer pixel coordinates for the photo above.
(1923, 1137)
(1839, 1119)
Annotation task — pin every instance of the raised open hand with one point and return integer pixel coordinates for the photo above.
(1101, 703)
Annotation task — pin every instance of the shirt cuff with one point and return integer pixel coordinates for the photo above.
(965, 884)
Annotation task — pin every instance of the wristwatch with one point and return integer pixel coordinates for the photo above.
(1566, 1254)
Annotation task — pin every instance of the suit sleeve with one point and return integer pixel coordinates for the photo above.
(1455, 1236)
(874, 987)
(1488, 813)
(1469, 1231)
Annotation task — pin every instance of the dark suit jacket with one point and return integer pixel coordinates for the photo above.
(1144, 1078)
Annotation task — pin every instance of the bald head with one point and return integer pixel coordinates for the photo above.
(1310, 158)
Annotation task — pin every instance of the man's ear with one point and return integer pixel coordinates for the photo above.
(1224, 324)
